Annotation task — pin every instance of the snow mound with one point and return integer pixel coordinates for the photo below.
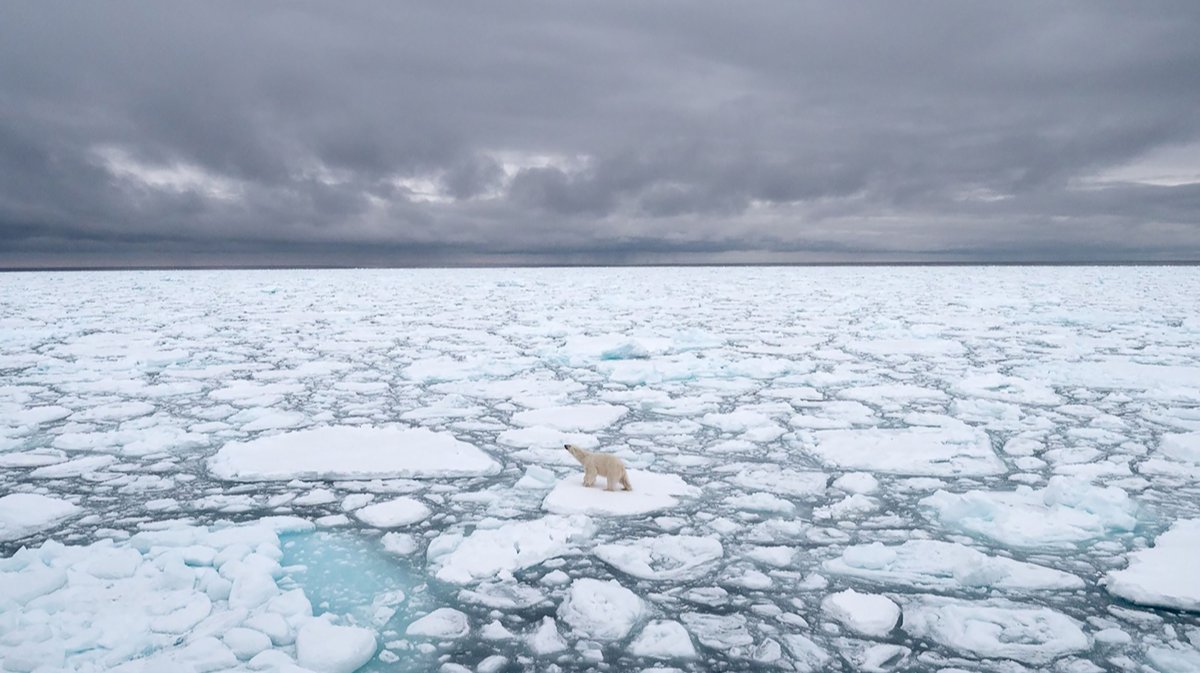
(1164, 575)
(662, 639)
(666, 557)
(487, 552)
(870, 615)
(402, 511)
(651, 492)
(995, 629)
(1068, 511)
(349, 452)
(23, 514)
(954, 450)
(601, 610)
(933, 565)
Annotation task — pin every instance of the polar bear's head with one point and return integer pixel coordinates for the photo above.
(575, 451)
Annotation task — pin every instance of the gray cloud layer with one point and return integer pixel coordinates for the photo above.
(415, 133)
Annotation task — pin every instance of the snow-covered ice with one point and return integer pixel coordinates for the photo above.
(350, 453)
(1165, 575)
(363, 470)
(651, 492)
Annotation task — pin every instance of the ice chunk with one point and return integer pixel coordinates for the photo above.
(663, 639)
(857, 482)
(780, 480)
(726, 633)
(995, 629)
(1068, 511)
(245, 643)
(326, 648)
(871, 615)
(601, 610)
(350, 452)
(933, 565)
(400, 544)
(1164, 575)
(576, 418)
(486, 552)
(402, 511)
(807, 656)
(666, 557)
(956, 450)
(23, 514)
(651, 492)
(442, 623)
(546, 639)
(761, 502)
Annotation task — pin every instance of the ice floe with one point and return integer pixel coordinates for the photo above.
(934, 565)
(350, 453)
(995, 629)
(870, 615)
(651, 492)
(947, 451)
(23, 514)
(666, 557)
(507, 547)
(603, 610)
(1165, 575)
(663, 639)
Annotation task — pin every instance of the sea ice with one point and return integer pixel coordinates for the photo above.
(326, 648)
(349, 452)
(1164, 575)
(666, 557)
(663, 639)
(995, 629)
(402, 511)
(577, 418)
(442, 623)
(23, 514)
(871, 615)
(1068, 511)
(933, 565)
(651, 492)
(486, 552)
(601, 610)
(945, 451)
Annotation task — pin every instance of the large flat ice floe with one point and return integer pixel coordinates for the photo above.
(933, 565)
(1166, 575)
(185, 598)
(995, 629)
(957, 450)
(666, 557)
(23, 514)
(347, 452)
(505, 548)
(1066, 512)
(601, 610)
(651, 492)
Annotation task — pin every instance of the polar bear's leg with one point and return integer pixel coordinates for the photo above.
(609, 482)
(589, 475)
(625, 481)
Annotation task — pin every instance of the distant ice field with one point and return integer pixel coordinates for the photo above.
(834, 469)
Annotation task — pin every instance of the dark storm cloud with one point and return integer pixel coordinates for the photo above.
(377, 133)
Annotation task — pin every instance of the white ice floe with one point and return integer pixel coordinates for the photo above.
(1164, 575)
(666, 557)
(1068, 511)
(546, 638)
(663, 639)
(857, 482)
(724, 633)
(933, 565)
(327, 648)
(508, 547)
(871, 615)
(23, 514)
(779, 480)
(576, 418)
(402, 511)
(603, 610)
(995, 629)
(761, 502)
(442, 623)
(349, 452)
(944, 451)
(651, 492)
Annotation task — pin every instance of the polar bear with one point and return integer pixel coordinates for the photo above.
(605, 464)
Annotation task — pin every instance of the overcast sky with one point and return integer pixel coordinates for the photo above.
(177, 133)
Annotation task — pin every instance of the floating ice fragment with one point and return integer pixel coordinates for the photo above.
(663, 639)
(349, 452)
(945, 451)
(442, 623)
(871, 615)
(666, 557)
(487, 552)
(23, 514)
(1164, 575)
(995, 629)
(402, 511)
(325, 648)
(603, 610)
